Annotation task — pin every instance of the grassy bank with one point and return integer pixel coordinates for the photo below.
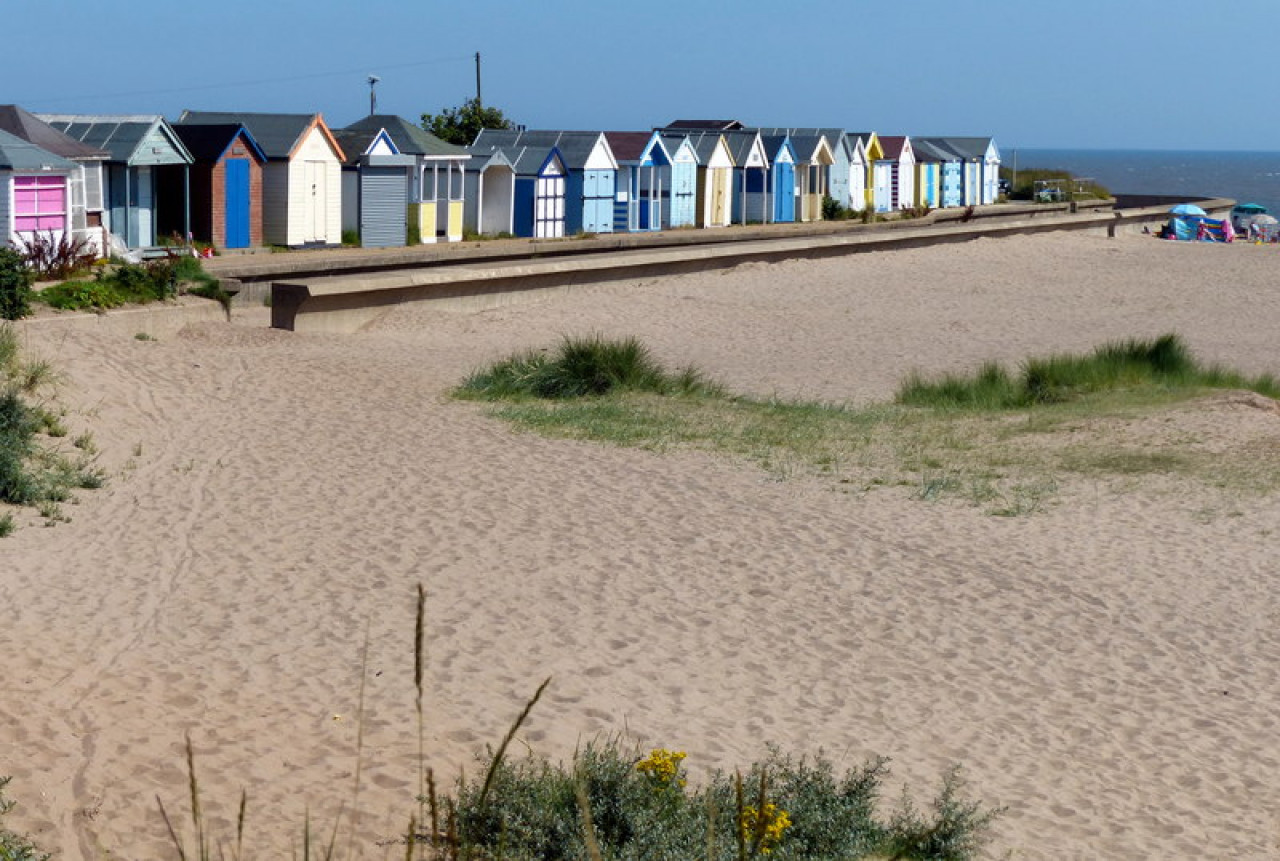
(1000, 439)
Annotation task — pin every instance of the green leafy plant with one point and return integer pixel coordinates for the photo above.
(15, 285)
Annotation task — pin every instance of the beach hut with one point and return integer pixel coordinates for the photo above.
(141, 199)
(867, 152)
(858, 167)
(376, 182)
(642, 162)
(591, 181)
(437, 188)
(879, 174)
(681, 180)
(489, 194)
(898, 168)
(928, 178)
(226, 184)
(85, 183)
(782, 178)
(35, 193)
(302, 179)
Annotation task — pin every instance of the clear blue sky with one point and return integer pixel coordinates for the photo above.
(1159, 74)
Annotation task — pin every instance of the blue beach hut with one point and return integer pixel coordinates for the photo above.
(782, 178)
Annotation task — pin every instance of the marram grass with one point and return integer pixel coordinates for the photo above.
(1000, 439)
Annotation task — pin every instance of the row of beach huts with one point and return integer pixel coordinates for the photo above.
(244, 180)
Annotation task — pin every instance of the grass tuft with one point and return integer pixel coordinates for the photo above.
(591, 366)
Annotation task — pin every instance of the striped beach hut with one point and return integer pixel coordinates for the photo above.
(643, 162)
(897, 168)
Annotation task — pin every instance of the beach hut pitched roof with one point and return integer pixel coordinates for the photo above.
(279, 135)
(704, 125)
(975, 148)
(209, 143)
(634, 147)
(408, 138)
(576, 147)
(19, 154)
(121, 135)
(26, 125)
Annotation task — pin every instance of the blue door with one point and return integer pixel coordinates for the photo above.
(237, 200)
(784, 192)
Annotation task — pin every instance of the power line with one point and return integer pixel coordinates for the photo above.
(229, 84)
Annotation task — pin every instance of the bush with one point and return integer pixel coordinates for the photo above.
(15, 285)
(640, 810)
(833, 210)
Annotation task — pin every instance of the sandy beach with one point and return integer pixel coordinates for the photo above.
(1107, 668)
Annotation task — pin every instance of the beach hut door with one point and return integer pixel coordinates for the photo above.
(237, 202)
(317, 202)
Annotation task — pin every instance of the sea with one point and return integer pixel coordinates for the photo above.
(1246, 177)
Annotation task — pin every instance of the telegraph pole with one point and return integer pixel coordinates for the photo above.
(373, 95)
(478, 102)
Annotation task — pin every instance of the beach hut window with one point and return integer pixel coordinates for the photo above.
(40, 202)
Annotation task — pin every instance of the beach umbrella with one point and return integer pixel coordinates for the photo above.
(1187, 209)
(1250, 208)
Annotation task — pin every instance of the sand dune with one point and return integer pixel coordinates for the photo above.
(1107, 668)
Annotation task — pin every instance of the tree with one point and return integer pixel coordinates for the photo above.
(461, 125)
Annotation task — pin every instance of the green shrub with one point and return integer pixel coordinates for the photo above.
(15, 285)
(833, 210)
(79, 295)
(534, 811)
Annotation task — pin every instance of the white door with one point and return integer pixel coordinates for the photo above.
(315, 219)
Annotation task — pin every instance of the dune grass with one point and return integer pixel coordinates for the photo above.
(1005, 441)
(35, 469)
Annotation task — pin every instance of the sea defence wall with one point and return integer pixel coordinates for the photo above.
(348, 301)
